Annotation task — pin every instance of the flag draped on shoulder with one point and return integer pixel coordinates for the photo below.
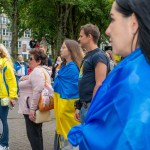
(66, 82)
(119, 115)
(65, 94)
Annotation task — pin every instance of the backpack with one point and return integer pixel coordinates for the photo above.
(46, 101)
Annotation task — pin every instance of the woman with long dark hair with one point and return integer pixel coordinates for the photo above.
(119, 115)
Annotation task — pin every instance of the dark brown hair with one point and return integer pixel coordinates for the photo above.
(93, 30)
(39, 55)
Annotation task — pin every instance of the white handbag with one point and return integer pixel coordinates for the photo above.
(5, 101)
(42, 116)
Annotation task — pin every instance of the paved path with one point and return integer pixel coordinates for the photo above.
(17, 132)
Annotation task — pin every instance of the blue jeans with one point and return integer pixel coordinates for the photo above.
(4, 134)
(83, 113)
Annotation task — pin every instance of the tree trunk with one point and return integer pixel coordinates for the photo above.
(66, 12)
(60, 34)
(14, 43)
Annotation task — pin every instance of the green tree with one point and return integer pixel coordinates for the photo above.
(10, 7)
(62, 18)
(57, 19)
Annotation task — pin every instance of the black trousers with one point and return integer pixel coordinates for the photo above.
(34, 133)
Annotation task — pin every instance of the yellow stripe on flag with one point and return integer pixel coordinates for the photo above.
(64, 113)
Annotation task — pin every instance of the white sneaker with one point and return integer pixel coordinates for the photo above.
(4, 147)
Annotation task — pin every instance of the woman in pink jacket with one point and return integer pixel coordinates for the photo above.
(30, 88)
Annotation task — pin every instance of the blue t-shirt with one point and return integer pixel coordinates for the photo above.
(87, 73)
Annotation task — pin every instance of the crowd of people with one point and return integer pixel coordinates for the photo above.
(99, 103)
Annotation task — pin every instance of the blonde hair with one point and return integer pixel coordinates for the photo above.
(4, 53)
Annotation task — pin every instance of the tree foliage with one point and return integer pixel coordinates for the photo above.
(59, 19)
(10, 7)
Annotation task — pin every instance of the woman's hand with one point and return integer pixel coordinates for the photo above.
(32, 115)
(77, 115)
(12, 102)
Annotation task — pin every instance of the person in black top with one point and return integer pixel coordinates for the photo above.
(49, 61)
(32, 43)
(93, 71)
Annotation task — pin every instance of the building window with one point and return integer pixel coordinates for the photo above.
(5, 32)
(19, 44)
(5, 20)
(6, 43)
(27, 34)
(24, 47)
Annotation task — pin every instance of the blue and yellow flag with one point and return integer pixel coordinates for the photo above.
(65, 94)
(119, 115)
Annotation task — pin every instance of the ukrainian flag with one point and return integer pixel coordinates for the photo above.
(65, 94)
(119, 115)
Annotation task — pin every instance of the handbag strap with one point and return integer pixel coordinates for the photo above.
(45, 78)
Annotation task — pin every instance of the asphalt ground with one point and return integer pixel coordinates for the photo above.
(17, 132)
